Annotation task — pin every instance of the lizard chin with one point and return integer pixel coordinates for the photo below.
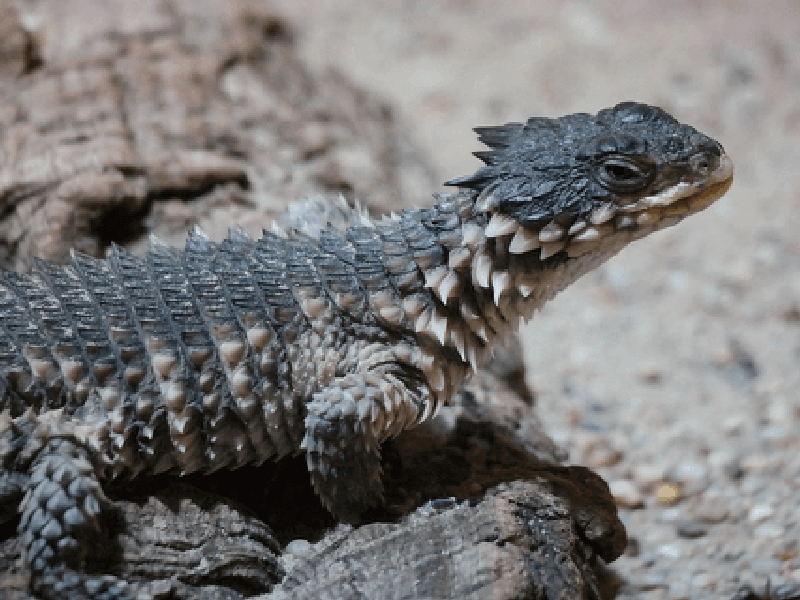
(682, 200)
(688, 198)
(546, 259)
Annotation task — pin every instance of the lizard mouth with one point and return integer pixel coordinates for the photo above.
(687, 198)
(623, 223)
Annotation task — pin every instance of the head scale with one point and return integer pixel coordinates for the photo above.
(572, 165)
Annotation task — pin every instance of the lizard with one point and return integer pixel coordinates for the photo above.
(327, 336)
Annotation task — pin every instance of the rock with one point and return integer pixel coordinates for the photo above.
(689, 528)
(668, 494)
(206, 115)
(298, 548)
(734, 424)
(648, 475)
(710, 514)
(535, 537)
(473, 552)
(188, 543)
(106, 141)
(626, 494)
(692, 476)
(770, 531)
(760, 512)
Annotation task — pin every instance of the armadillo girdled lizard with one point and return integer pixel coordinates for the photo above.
(325, 338)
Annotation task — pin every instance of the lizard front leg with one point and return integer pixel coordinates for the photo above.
(345, 426)
(59, 516)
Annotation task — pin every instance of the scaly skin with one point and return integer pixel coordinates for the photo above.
(327, 339)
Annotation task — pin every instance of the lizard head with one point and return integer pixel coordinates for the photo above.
(583, 183)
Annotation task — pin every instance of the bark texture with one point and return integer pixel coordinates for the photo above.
(120, 119)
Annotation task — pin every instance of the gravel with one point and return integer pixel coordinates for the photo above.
(673, 369)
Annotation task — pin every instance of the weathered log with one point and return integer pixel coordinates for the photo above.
(116, 122)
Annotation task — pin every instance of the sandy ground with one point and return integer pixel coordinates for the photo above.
(677, 362)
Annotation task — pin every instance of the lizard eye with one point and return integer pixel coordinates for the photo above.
(621, 174)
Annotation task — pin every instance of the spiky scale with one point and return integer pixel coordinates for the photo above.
(233, 352)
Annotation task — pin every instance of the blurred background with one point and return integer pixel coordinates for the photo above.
(672, 370)
(670, 307)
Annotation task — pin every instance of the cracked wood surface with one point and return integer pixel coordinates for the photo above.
(149, 120)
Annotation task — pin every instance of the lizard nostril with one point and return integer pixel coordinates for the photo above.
(700, 163)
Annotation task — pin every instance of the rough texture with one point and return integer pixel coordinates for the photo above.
(330, 338)
(67, 452)
(208, 547)
(537, 539)
(635, 366)
(185, 542)
(153, 118)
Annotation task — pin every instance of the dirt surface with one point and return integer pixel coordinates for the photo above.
(674, 368)
(117, 123)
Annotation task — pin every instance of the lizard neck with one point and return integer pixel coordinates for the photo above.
(483, 275)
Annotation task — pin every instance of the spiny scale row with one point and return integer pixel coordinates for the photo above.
(497, 255)
(199, 334)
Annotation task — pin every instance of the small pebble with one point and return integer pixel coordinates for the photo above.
(691, 529)
(648, 476)
(734, 470)
(650, 373)
(733, 424)
(679, 590)
(669, 551)
(604, 456)
(668, 494)
(787, 551)
(704, 580)
(757, 463)
(692, 476)
(760, 512)
(626, 494)
(651, 581)
(779, 412)
(773, 433)
(711, 514)
(752, 486)
(720, 458)
(298, 548)
(769, 531)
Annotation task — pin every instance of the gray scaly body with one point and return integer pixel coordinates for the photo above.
(327, 339)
